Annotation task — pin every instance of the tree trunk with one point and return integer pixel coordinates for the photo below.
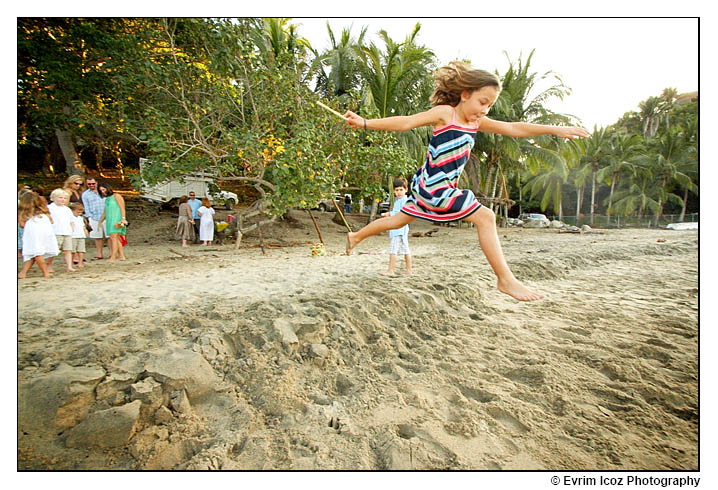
(660, 206)
(372, 213)
(493, 190)
(593, 195)
(488, 179)
(579, 198)
(74, 164)
(98, 159)
(685, 202)
(610, 198)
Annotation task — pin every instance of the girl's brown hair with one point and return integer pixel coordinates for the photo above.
(206, 203)
(451, 80)
(31, 205)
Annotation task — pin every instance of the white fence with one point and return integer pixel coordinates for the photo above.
(627, 222)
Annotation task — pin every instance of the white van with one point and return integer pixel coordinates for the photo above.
(197, 182)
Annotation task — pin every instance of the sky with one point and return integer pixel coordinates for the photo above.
(610, 64)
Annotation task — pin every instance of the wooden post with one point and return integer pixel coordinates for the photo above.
(261, 239)
(239, 232)
(316, 226)
(341, 214)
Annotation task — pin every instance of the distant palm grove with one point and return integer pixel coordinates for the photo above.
(238, 97)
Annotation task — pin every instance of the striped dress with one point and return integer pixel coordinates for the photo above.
(435, 196)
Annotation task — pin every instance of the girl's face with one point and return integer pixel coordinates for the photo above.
(59, 200)
(399, 191)
(477, 104)
(102, 190)
(77, 212)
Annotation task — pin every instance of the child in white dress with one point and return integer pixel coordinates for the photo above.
(62, 224)
(38, 239)
(206, 222)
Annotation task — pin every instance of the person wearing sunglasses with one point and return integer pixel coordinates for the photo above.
(94, 205)
(73, 186)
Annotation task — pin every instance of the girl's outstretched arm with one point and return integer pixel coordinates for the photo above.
(438, 115)
(523, 129)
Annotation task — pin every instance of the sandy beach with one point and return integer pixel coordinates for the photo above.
(224, 358)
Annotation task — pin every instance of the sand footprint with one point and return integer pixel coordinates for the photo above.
(507, 420)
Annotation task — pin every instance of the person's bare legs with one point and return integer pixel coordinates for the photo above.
(26, 268)
(68, 261)
(485, 221)
(98, 246)
(392, 264)
(407, 259)
(40, 261)
(117, 249)
(114, 244)
(49, 264)
(376, 227)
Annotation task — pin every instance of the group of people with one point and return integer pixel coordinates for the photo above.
(73, 216)
(196, 220)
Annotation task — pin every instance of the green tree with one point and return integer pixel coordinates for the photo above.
(639, 195)
(66, 67)
(205, 97)
(671, 152)
(343, 60)
(650, 115)
(396, 80)
(595, 156)
(623, 151)
(522, 98)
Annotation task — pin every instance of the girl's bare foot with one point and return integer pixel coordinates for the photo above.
(21, 275)
(71, 269)
(50, 270)
(387, 273)
(518, 291)
(351, 242)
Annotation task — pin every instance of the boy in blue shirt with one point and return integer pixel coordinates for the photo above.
(399, 244)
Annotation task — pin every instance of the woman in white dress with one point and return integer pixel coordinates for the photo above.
(206, 222)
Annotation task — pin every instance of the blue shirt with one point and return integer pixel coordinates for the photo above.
(194, 205)
(404, 230)
(94, 204)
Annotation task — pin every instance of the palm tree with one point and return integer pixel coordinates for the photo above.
(518, 101)
(668, 99)
(671, 152)
(650, 116)
(342, 59)
(390, 76)
(640, 195)
(548, 184)
(396, 81)
(689, 166)
(624, 149)
(595, 157)
(277, 36)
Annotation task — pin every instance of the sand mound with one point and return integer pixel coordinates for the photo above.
(241, 361)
